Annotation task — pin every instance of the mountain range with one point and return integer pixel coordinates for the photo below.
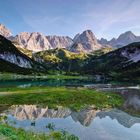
(84, 42)
(35, 52)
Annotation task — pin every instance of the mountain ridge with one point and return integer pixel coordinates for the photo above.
(82, 42)
(122, 40)
(36, 41)
(120, 63)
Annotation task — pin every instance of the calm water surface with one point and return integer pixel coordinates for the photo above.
(43, 82)
(53, 82)
(87, 124)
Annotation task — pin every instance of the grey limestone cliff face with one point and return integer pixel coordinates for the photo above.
(33, 41)
(38, 42)
(85, 42)
(60, 41)
(10, 53)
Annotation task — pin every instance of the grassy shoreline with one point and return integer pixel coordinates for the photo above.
(74, 98)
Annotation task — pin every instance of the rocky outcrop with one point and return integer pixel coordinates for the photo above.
(4, 31)
(16, 59)
(10, 53)
(133, 53)
(85, 42)
(13, 60)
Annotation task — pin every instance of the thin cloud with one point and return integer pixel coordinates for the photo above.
(106, 18)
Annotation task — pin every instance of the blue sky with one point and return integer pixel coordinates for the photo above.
(106, 18)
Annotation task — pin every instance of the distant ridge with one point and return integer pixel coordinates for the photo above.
(124, 39)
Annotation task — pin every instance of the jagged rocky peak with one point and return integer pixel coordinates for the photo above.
(33, 41)
(22, 38)
(5, 31)
(60, 41)
(87, 40)
(86, 36)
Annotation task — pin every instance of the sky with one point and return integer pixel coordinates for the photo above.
(106, 18)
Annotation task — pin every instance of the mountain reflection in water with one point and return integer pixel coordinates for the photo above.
(87, 124)
(32, 112)
(84, 116)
